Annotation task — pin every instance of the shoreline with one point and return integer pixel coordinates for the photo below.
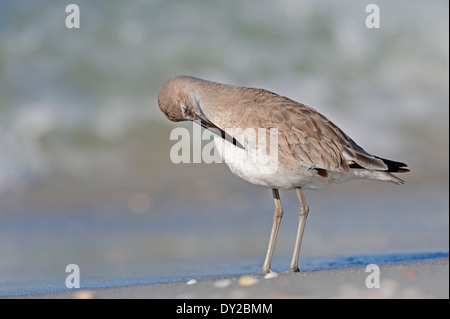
(428, 278)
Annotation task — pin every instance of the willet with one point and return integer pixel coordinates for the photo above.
(312, 151)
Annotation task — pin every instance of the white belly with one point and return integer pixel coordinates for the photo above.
(263, 169)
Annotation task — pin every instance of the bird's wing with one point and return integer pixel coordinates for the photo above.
(310, 137)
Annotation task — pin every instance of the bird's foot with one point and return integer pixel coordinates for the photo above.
(294, 269)
(265, 270)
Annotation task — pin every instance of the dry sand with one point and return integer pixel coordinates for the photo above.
(417, 279)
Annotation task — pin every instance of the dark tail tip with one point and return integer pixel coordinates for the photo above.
(394, 167)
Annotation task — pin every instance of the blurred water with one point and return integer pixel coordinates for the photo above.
(85, 174)
(71, 99)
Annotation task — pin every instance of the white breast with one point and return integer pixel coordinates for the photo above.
(262, 168)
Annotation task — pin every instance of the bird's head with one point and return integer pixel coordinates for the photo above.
(179, 101)
(176, 100)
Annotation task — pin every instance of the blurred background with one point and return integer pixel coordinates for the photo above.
(85, 172)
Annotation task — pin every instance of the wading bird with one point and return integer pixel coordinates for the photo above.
(311, 151)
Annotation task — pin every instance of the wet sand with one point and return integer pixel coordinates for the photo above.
(404, 280)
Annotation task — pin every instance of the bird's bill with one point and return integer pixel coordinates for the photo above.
(207, 124)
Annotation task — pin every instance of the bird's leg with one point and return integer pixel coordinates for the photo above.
(303, 213)
(273, 235)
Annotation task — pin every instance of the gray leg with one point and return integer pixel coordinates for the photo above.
(273, 235)
(303, 213)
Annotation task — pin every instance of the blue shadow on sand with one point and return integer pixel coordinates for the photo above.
(213, 269)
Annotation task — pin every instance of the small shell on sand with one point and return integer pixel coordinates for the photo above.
(222, 283)
(271, 275)
(247, 280)
(83, 294)
(191, 282)
(411, 274)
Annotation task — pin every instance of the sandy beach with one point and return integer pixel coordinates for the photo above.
(403, 280)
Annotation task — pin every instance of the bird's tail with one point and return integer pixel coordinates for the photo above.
(394, 167)
(383, 175)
